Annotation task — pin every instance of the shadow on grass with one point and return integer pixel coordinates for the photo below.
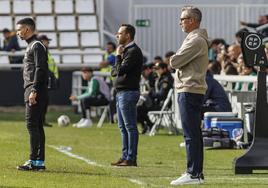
(76, 173)
(1, 186)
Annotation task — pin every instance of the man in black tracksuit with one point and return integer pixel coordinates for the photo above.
(35, 77)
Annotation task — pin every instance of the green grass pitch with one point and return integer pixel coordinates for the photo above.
(160, 159)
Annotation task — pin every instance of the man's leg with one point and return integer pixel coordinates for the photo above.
(41, 153)
(190, 111)
(121, 125)
(129, 114)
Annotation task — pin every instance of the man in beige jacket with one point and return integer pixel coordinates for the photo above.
(190, 62)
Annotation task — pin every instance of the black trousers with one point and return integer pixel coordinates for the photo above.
(34, 116)
(86, 103)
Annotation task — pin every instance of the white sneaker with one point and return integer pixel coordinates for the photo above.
(186, 179)
(79, 122)
(85, 123)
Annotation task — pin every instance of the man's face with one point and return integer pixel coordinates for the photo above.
(262, 20)
(6, 35)
(159, 71)
(233, 52)
(185, 22)
(22, 31)
(110, 48)
(121, 36)
(86, 75)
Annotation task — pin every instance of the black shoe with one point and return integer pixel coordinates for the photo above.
(29, 166)
(47, 125)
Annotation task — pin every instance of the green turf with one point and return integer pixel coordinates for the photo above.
(159, 159)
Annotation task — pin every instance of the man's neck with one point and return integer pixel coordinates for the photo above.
(129, 43)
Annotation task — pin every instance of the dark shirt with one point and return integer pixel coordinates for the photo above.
(162, 86)
(11, 43)
(128, 69)
(35, 73)
(215, 96)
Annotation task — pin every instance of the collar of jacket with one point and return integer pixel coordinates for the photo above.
(129, 45)
(29, 40)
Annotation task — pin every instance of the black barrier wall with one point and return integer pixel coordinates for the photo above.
(11, 92)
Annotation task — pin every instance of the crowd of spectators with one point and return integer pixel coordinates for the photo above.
(157, 79)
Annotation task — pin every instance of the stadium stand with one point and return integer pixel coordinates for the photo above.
(72, 26)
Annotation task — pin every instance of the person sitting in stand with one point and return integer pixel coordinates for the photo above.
(215, 99)
(154, 99)
(10, 44)
(96, 94)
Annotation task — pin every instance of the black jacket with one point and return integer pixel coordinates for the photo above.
(162, 86)
(35, 72)
(128, 69)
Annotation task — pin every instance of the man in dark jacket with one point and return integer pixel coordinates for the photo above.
(215, 99)
(35, 75)
(128, 73)
(11, 44)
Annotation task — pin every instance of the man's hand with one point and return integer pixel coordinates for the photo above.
(32, 98)
(119, 50)
(73, 98)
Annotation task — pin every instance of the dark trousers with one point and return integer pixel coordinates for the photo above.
(34, 116)
(142, 116)
(86, 103)
(190, 111)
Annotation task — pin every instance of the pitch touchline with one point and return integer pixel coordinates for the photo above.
(67, 151)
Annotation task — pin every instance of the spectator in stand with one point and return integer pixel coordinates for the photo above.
(246, 86)
(109, 60)
(214, 67)
(263, 19)
(154, 98)
(167, 59)
(229, 58)
(215, 47)
(239, 35)
(148, 76)
(106, 67)
(97, 94)
(109, 56)
(53, 73)
(10, 44)
(158, 59)
(215, 99)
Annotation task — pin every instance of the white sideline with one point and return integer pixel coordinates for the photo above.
(67, 151)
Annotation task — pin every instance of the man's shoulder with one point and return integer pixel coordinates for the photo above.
(134, 49)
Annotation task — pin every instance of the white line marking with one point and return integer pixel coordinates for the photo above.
(66, 150)
(137, 181)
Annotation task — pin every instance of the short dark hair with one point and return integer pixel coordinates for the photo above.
(112, 44)
(130, 29)
(5, 30)
(87, 69)
(169, 54)
(27, 21)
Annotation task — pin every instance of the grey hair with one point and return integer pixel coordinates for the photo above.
(193, 12)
